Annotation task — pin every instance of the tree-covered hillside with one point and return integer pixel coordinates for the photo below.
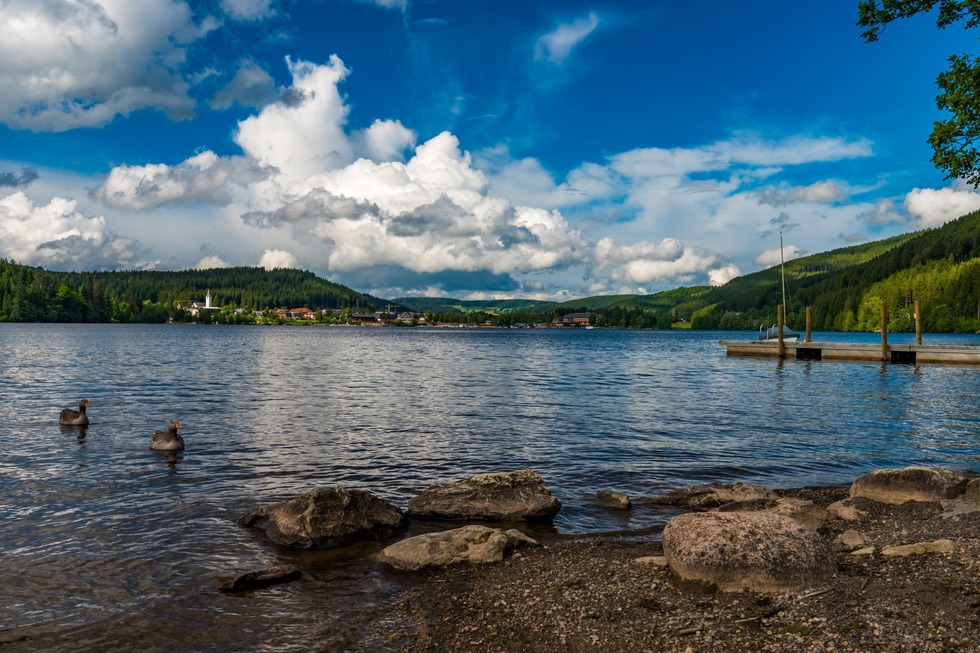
(845, 287)
(29, 294)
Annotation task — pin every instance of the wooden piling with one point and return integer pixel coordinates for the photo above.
(918, 322)
(884, 332)
(809, 332)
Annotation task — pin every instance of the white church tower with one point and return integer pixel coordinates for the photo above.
(207, 299)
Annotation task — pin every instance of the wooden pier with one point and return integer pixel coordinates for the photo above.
(917, 354)
(907, 354)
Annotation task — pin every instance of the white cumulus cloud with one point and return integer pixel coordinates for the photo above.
(211, 262)
(935, 207)
(646, 262)
(304, 134)
(721, 276)
(58, 235)
(82, 63)
(204, 178)
(277, 258)
(771, 257)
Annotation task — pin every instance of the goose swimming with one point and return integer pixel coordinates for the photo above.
(168, 440)
(78, 417)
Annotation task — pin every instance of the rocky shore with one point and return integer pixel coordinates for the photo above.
(907, 578)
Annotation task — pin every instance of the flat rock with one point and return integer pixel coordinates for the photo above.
(898, 486)
(653, 561)
(759, 551)
(470, 544)
(919, 548)
(846, 510)
(802, 510)
(326, 518)
(501, 496)
(716, 495)
(866, 551)
(851, 539)
(262, 578)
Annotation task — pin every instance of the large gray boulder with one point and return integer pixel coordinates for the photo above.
(327, 517)
(897, 486)
(501, 496)
(469, 544)
(759, 551)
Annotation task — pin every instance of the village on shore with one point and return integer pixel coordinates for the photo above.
(202, 310)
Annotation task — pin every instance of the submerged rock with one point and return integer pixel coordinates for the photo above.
(469, 544)
(759, 551)
(327, 517)
(263, 578)
(614, 500)
(897, 486)
(501, 496)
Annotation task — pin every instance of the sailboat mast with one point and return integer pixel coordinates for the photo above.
(782, 272)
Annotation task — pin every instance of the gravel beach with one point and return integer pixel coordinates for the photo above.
(599, 594)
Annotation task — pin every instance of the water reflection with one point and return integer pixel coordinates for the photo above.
(78, 431)
(171, 458)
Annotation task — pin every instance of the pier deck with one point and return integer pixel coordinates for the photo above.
(906, 354)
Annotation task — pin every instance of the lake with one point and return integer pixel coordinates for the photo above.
(110, 546)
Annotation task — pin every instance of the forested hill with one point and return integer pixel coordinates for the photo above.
(30, 294)
(939, 267)
(845, 288)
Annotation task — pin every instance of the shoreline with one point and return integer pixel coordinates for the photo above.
(592, 594)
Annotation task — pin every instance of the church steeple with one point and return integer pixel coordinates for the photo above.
(207, 299)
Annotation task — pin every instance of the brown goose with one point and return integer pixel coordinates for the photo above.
(168, 440)
(78, 417)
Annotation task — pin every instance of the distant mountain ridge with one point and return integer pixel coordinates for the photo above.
(845, 287)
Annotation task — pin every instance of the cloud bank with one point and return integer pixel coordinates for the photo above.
(57, 235)
(81, 64)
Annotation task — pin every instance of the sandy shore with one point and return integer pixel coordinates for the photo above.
(593, 595)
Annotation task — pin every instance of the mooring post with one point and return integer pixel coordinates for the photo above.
(781, 347)
(884, 332)
(918, 322)
(808, 316)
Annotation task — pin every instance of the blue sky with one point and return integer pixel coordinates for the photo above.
(475, 149)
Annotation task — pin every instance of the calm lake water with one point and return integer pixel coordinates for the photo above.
(107, 545)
